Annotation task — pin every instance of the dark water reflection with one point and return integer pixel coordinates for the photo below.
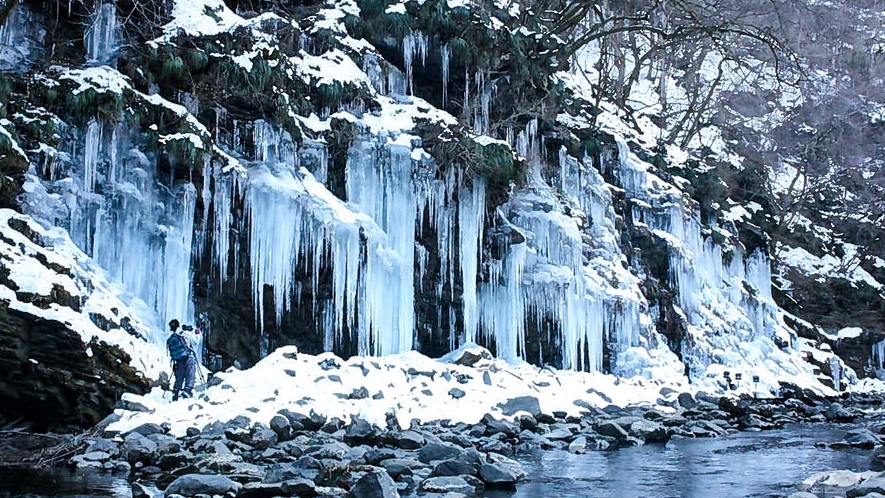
(749, 464)
(61, 482)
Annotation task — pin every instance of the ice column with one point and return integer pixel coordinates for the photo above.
(471, 211)
(503, 309)
(379, 182)
(101, 36)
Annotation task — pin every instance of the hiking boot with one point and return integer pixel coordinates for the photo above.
(175, 396)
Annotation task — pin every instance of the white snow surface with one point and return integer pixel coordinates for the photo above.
(297, 381)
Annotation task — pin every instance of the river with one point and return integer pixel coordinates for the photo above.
(747, 464)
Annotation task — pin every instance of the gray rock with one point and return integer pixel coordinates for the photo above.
(375, 456)
(96, 456)
(500, 471)
(194, 484)
(281, 426)
(452, 484)
(148, 429)
(456, 393)
(262, 438)
(408, 440)
(438, 451)
(139, 490)
(873, 485)
(137, 448)
(578, 446)
(400, 466)
(453, 468)
(376, 484)
(299, 487)
(360, 431)
(650, 432)
(611, 429)
(528, 404)
(106, 445)
(260, 490)
(862, 438)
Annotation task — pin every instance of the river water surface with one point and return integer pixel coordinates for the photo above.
(748, 464)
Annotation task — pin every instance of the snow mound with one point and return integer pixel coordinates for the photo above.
(410, 386)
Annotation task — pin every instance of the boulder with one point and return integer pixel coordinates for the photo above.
(438, 451)
(868, 487)
(139, 490)
(862, 438)
(453, 468)
(407, 440)
(360, 431)
(610, 429)
(137, 448)
(452, 484)
(281, 426)
(147, 429)
(202, 484)
(262, 438)
(260, 490)
(374, 456)
(500, 471)
(376, 484)
(578, 446)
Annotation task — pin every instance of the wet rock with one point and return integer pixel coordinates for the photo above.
(137, 448)
(438, 451)
(611, 429)
(452, 484)
(375, 485)
(862, 438)
(195, 484)
(139, 490)
(868, 487)
(174, 460)
(648, 431)
(837, 413)
(500, 471)
(578, 446)
(260, 490)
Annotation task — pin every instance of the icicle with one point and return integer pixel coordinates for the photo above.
(91, 154)
(101, 36)
(471, 210)
(413, 44)
(445, 55)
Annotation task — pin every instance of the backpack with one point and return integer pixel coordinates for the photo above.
(177, 347)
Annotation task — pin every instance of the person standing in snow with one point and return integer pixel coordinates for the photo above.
(184, 362)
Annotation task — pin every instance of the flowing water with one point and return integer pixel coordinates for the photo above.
(747, 464)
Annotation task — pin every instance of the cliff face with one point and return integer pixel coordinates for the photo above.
(372, 178)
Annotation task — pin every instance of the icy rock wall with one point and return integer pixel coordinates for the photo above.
(724, 296)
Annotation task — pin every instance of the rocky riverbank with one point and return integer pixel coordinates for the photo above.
(300, 454)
